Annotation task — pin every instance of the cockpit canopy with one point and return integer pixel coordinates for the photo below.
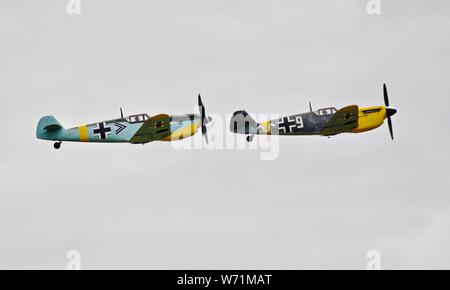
(138, 118)
(326, 111)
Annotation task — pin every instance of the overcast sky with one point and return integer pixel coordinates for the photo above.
(323, 203)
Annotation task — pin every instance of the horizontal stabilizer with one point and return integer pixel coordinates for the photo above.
(52, 127)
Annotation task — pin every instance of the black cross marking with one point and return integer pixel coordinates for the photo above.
(286, 124)
(102, 131)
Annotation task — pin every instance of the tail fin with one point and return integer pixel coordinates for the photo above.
(47, 124)
(242, 123)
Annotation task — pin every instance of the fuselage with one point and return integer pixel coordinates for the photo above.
(311, 123)
(124, 130)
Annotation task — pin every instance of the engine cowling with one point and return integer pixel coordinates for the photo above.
(370, 118)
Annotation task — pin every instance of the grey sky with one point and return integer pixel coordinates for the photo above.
(322, 204)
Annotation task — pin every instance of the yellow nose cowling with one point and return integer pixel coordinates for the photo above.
(370, 118)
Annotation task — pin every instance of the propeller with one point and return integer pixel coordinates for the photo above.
(204, 118)
(389, 111)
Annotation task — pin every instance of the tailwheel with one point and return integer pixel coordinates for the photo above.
(57, 145)
(249, 138)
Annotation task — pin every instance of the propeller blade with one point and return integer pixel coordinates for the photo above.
(385, 94)
(202, 110)
(200, 103)
(206, 137)
(203, 118)
(390, 127)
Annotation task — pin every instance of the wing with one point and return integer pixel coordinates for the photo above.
(344, 120)
(154, 129)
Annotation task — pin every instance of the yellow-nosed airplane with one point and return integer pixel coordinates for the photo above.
(135, 129)
(324, 122)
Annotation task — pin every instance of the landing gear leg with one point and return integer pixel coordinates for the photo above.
(57, 145)
(249, 138)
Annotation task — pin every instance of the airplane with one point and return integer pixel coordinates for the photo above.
(134, 129)
(324, 122)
